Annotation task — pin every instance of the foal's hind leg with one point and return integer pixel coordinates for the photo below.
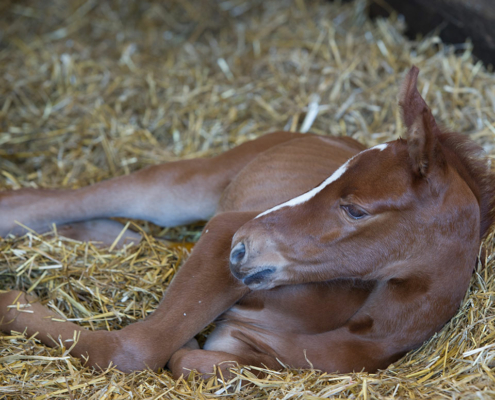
(203, 289)
(102, 231)
(169, 194)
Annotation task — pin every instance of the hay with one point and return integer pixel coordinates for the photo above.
(92, 90)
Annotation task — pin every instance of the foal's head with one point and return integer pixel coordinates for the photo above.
(418, 206)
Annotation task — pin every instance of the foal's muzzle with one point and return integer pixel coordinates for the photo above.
(240, 268)
(258, 277)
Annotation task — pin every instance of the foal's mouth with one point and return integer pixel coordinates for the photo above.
(258, 277)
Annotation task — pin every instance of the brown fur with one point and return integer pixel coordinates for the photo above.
(307, 284)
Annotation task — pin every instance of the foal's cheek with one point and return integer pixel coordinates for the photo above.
(330, 237)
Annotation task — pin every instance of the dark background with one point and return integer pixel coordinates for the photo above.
(455, 21)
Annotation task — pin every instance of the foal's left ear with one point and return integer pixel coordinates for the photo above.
(422, 141)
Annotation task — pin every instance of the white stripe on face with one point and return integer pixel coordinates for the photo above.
(313, 192)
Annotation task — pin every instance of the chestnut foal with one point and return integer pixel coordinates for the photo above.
(368, 262)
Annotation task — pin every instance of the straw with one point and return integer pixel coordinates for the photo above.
(92, 90)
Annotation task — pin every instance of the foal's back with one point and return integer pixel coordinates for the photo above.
(285, 171)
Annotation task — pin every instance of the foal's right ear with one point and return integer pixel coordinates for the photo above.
(422, 142)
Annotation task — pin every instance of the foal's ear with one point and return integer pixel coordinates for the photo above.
(422, 142)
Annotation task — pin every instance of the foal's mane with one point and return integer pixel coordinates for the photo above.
(472, 166)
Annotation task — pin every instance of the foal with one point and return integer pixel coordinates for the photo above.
(318, 252)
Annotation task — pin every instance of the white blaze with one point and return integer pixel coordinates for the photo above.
(308, 195)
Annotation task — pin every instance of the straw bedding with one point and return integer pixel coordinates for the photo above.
(92, 90)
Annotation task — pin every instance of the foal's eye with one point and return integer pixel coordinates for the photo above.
(354, 212)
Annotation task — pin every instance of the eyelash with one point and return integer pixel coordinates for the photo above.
(353, 211)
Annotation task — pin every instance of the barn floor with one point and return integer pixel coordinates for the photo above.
(92, 90)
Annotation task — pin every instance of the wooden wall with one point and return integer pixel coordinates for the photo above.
(457, 20)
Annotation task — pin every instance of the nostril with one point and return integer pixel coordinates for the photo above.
(237, 253)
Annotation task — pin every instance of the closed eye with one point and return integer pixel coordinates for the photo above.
(354, 211)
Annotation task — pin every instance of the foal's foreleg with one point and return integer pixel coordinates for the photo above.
(202, 290)
(24, 313)
(208, 362)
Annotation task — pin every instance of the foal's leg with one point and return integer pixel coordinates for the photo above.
(202, 290)
(209, 362)
(102, 231)
(343, 350)
(169, 194)
(23, 313)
